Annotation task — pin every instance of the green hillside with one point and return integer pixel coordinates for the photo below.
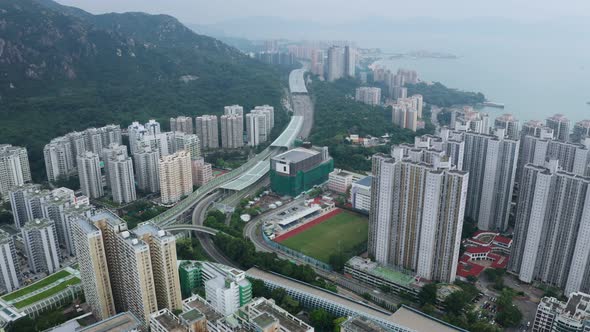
(63, 69)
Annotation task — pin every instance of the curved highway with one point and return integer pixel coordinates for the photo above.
(301, 106)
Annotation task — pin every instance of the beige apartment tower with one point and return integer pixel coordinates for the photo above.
(94, 271)
(175, 177)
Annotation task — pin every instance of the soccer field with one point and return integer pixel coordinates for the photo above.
(340, 233)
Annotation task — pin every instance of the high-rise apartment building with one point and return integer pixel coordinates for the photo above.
(41, 245)
(233, 110)
(510, 125)
(572, 157)
(9, 265)
(30, 202)
(560, 125)
(182, 124)
(130, 267)
(552, 228)
(256, 128)
(175, 177)
(269, 113)
(93, 267)
(147, 169)
(467, 119)
(136, 132)
(404, 117)
(206, 128)
(152, 127)
(111, 151)
(162, 247)
(232, 131)
(368, 95)
(349, 61)
(90, 175)
(121, 178)
(202, 172)
(491, 162)
(581, 131)
(416, 215)
(142, 267)
(336, 63)
(14, 167)
(60, 159)
(188, 142)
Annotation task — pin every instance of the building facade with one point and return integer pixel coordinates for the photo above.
(232, 131)
(416, 216)
(206, 128)
(41, 245)
(14, 167)
(175, 177)
(90, 174)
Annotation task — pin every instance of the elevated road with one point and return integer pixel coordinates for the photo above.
(196, 228)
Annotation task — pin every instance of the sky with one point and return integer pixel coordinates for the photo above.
(333, 11)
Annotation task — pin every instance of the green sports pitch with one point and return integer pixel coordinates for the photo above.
(340, 233)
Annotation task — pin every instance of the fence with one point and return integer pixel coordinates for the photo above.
(296, 254)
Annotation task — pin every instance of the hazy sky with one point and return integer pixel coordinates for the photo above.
(212, 11)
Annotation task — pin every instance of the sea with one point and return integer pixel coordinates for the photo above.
(533, 79)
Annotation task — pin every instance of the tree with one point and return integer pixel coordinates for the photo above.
(321, 320)
(472, 279)
(338, 323)
(427, 294)
(455, 302)
(259, 289)
(290, 304)
(278, 294)
(508, 314)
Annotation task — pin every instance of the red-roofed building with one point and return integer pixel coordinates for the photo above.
(484, 246)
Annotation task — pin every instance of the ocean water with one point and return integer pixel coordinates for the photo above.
(534, 79)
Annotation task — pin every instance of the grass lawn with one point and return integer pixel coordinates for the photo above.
(46, 294)
(340, 233)
(39, 284)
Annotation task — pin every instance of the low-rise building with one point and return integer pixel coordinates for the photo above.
(360, 194)
(122, 322)
(374, 274)
(339, 181)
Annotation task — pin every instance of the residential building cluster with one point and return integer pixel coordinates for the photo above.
(421, 194)
(44, 219)
(395, 82)
(368, 95)
(406, 112)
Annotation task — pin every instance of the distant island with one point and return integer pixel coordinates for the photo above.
(420, 55)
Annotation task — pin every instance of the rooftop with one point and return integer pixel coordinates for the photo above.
(192, 315)
(421, 322)
(271, 313)
(296, 155)
(370, 267)
(362, 324)
(169, 322)
(122, 322)
(204, 308)
(366, 181)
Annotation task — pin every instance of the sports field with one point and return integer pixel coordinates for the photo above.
(339, 233)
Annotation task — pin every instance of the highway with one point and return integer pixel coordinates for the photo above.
(206, 241)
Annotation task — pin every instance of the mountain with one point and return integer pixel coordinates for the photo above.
(64, 69)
